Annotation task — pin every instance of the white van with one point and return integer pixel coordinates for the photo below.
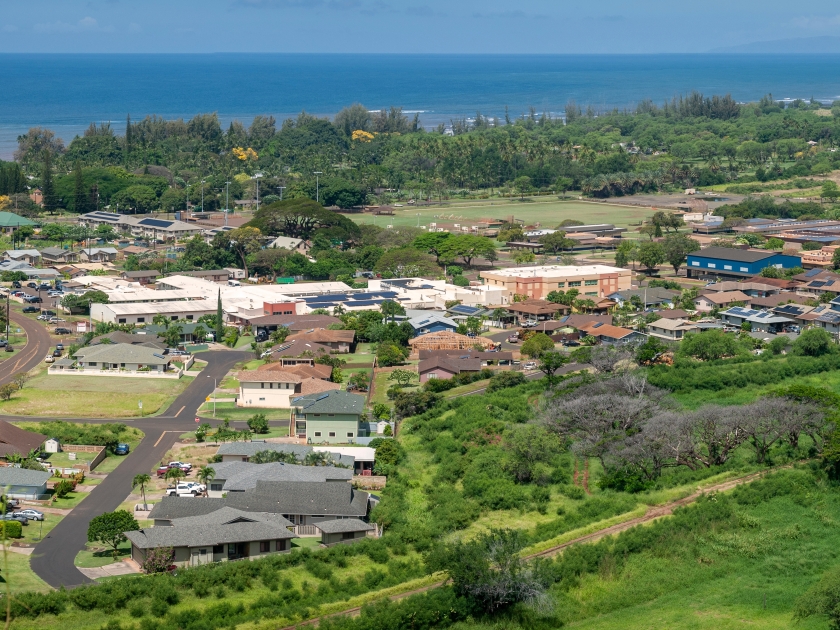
(234, 283)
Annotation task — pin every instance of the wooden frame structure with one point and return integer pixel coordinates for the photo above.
(444, 340)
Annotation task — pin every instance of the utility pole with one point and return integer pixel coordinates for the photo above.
(282, 188)
(202, 195)
(318, 186)
(256, 178)
(227, 194)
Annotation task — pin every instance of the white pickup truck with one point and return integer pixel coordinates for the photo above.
(183, 490)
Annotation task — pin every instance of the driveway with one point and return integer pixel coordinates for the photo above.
(54, 557)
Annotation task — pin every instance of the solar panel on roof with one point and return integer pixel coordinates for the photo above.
(155, 223)
(812, 273)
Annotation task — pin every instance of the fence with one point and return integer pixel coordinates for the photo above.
(86, 448)
(111, 372)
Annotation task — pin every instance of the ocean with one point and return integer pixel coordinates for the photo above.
(67, 92)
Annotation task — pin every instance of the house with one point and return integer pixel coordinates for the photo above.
(31, 257)
(244, 451)
(432, 323)
(605, 333)
(777, 299)
(292, 244)
(647, 297)
(486, 358)
(539, 281)
(300, 502)
(818, 281)
(343, 530)
(144, 312)
(298, 351)
(274, 389)
(296, 323)
(118, 336)
(58, 255)
(17, 441)
(211, 275)
(723, 299)
(121, 357)
(302, 366)
(30, 271)
(223, 534)
(9, 221)
(670, 329)
(98, 254)
(780, 283)
(338, 341)
(132, 250)
(329, 417)
(142, 277)
(829, 320)
(243, 476)
(446, 367)
(535, 310)
(735, 263)
(576, 320)
(22, 483)
(234, 273)
(760, 321)
(673, 313)
(187, 331)
(797, 313)
(69, 271)
(750, 288)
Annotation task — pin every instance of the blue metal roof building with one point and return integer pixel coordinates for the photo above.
(736, 263)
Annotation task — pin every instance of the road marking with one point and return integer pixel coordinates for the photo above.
(164, 433)
(179, 411)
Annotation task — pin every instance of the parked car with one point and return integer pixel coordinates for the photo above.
(56, 353)
(50, 359)
(59, 346)
(62, 331)
(9, 348)
(32, 515)
(16, 285)
(14, 517)
(56, 320)
(182, 490)
(198, 487)
(122, 449)
(44, 287)
(530, 365)
(182, 465)
(513, 339)
(33, 299)
(3, 343)
(161, 471)
(32, 309)
(48, 313)
(178, 353)
(31, 285)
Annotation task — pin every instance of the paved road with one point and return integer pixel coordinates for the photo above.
(54, 557)
(38, 345)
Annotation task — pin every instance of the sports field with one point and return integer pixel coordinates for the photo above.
(548, 213)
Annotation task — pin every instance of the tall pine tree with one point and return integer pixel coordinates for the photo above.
(80, 197)
(47, 186)
(129, 139)
(220, 328)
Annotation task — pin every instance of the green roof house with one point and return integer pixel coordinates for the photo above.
(9, 222)
(328, 417)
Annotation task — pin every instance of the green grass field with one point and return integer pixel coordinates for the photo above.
(17, 576)
(547, 211)
(92, 396)
(95, 555)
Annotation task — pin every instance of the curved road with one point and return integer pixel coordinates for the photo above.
(38, 344)
(53, 558)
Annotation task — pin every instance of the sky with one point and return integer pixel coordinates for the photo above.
(405, 26)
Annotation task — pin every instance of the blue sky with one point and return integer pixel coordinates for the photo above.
(410, 26)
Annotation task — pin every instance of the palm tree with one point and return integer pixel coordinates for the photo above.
(141, 480)
(199, 334)
(205, 474)
(174, 474)
(161, 320)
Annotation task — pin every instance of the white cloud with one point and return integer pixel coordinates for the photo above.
(85, 25)
(818, 23)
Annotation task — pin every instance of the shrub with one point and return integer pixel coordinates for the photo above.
(503, 380)
(258, 423)
(11, 529)
(158, 560)
(63, 488)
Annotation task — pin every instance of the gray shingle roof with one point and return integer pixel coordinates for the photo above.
(738, 255)
(241, 476)
(341, 525)
(219, 527)
(10, 476)
(122, 353)
(331, 402)
(178, 507)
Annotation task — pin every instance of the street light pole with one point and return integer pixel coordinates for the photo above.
(202, 195)
(318, 186)
(282, 188)
(227, 191)
(256, 178)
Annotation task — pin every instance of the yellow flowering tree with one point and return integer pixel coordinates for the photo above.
(244, 154)
(360, 135)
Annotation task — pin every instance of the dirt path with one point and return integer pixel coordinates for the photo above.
(653, 513)
(586, 476)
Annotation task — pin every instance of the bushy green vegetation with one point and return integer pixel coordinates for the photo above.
(106, 434)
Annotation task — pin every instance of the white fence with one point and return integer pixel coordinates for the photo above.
(174, 374)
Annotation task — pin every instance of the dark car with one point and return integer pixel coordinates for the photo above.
(32, 285)
(44, 287)
(33, 299)
(56, 353)
(122, 449)
(48, 313)
(30, 309)
(16, 285)
(63, 331)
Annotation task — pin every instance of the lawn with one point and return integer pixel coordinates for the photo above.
(18, 342)
(96, 555)
(230, 411)
(547, 211)
(36, 530)
(70, 501)
(17, 576)
(92, 396)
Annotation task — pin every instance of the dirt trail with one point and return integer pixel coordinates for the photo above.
(586, 476)
(575, 476)
(653, 513)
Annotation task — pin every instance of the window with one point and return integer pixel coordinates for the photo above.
(141, 320)
(279, 545)
(347, 535)
(560, 285)
(349, 434)
(262, 385)
(317, 434)
(262, 398)
(317, 415)
(121, 320)
(202, 552)
(92, 364)
(331, 415)
(432, 375)
(712, 265)
(695, 263)
(591, 283)
(216, 487)
(745, 269)
(189, 318)
(332, 433)
(574, 283)
(265, 546)
(174, 318)
(591, 293)
(728, 267)
(218, 549)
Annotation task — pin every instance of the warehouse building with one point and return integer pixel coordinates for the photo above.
(726, 262)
